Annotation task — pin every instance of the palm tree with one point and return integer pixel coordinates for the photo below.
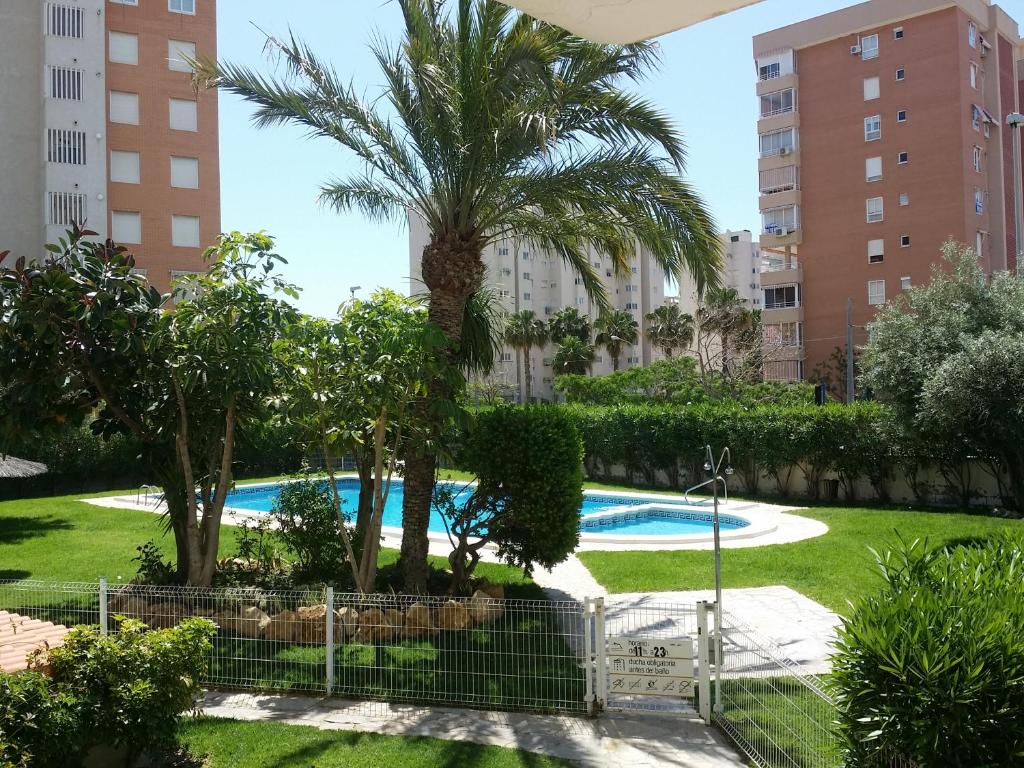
(569, 321)
(724, 313)
(670, 329)
(574, 356)
(492, 125)
(615, 329)
(524, 332)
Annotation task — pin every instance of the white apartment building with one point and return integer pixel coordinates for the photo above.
(741, 270)
(525, 277)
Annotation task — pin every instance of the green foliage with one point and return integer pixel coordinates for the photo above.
(931, 669)
(570, 322)
(670, 329)
(153, 569)
(126, 689)
(528, 465)
(616, 328)
(309, 526)
(573, 356)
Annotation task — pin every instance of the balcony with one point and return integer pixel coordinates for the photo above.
(781, 226)
(784, 274)
(779, 82)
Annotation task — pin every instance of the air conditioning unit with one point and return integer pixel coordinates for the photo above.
(785, 151)
(783, 231)
(856, 50)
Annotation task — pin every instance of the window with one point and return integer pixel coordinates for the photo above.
(503, 251)
(526, 255)
(183, 116)
(778, 103)
(780, 221)
(873, 169)
(978, 157)
(897, 33)
(904, 199)
(526, 297)
(182, 6)
(979, 202)
(873, 128)
(904, 241)
(65, 147)
(770, 71)
(783, 334)
(124, 108)
(869, 47)
(979, 241)
(903, 158)
(177, 53)
(972, 35)
(876, 292)
(875, 210)
(124, 167)
(185, 231)
(974, 76)
(185, 172)
(126, 227)
(876, 251)
(526, 276)
(124, 48)
(64, 20)
(66, 83)
(632, 288)
(579, 301)
(782, 297)
(774, 180)
(905, 283)
(777, 143)
(506, 357)
(65, 208)
(901, 74)
(901, 116)
(872, 88)
(632, 306)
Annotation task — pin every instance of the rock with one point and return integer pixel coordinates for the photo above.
(346, 621)
(418, 621)
(496, 591)
(165, 615)
(483, 608)
(453, 616)
(311, 624)
(250, 622)
(129, 605)
(282, 627)
(371, 625)
(394, 621)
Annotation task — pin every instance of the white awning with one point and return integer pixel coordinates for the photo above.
(984, 114)
(626, 21)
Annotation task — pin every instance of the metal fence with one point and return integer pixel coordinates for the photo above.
(475, 652)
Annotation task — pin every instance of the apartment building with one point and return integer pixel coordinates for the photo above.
(741, 271)
(99, 124)
(882, 134)
(525, 277)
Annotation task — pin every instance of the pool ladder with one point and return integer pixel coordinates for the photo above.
(143, 493)
(688, 491)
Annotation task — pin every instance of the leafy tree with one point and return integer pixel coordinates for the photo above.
(573, 356)
(492, 125)
(523, 332)
(669, 329)
(947, 355)
(86, 339)
(616, 329)
(567, 322)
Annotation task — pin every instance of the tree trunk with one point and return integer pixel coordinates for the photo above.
(365, 511)
(526, 375)
(615, 363)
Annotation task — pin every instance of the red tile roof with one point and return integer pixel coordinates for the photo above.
(20, 635)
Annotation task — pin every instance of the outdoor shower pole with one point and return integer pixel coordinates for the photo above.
(716, 478)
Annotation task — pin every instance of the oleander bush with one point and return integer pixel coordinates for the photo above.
(931, 669)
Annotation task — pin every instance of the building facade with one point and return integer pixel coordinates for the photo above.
(882, 134)
(100, 125)
(525, 277)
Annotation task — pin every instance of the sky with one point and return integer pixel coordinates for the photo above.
(270, 178)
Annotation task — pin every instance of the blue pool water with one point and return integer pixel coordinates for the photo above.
(668, 520)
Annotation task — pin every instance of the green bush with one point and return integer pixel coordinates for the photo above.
(308, 526)
(529, 468)
(127, 689)
(931, 669)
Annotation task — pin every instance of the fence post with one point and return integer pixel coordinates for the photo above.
(588, 655)
(602, 662)
(330, 639)
(703, 663)
(103, 606)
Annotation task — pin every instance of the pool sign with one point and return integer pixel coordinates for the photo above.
(640, 667)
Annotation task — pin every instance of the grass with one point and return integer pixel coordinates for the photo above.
(831, 569)
(230, 744)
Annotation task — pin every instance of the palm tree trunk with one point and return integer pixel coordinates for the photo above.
(526, 375)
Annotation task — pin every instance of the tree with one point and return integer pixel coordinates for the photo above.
(492, 125)
(86, 339)
(567, 322)
(947, 355)
(669, 329)
(573, 357)
(524, 332)
(730, 338)
(615, 329)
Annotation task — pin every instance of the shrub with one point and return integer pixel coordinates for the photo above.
(528, 464)
(39, 726)
(309, 527)
(931, 669)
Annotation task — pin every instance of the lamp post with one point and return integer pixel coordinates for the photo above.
(352, 291)
(710, 465)
(1015, 120)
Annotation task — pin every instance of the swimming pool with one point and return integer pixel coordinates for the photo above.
(602, 514)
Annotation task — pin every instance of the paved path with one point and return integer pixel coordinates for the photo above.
(612, 741)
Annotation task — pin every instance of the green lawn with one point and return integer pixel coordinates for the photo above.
(830, 569)
(229, 744)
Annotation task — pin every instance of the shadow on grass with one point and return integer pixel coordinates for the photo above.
(13, 575)
(15, 530)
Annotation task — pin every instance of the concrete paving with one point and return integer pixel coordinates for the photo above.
(611, 741)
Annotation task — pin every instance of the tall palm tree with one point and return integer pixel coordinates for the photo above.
(523, 332)
(669, 329)
(725, 313)
(616, 328)
(492, 125)
(574, 356)
(569, 321)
